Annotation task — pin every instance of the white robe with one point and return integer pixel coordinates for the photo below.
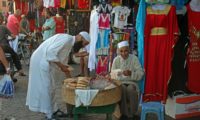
(43, 73)
(94, 36)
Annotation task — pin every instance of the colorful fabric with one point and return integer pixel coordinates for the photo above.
(156, 1)
(131, 35)
(104, 21)
(140, 24)
(57, 3)
(83, 4)
(63, 3)
(48, 3)
(102, 65)
(121, 15)
(103, 39)
(60, 24)
(159, 40)
(193, 58)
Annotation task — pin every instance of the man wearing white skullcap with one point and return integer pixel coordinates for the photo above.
(49, 65)
(82, 56)
(128, 70)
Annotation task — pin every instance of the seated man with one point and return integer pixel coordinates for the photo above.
(126, 67)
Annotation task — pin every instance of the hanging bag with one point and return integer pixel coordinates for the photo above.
(6, 86)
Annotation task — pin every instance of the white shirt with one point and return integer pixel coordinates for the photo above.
(121, 15)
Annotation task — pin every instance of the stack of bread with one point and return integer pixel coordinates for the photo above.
(70, 82)
(78, 83)
(83, 83)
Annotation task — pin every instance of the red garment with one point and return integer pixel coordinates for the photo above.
(102, 65)
(60, 24)
(83, 4)
(160, 29)
(56, 3)
(22, 5)
(193, 58)
(104, 21)
(13, 24)
(32, 24)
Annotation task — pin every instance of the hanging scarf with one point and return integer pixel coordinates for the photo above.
(140, 24)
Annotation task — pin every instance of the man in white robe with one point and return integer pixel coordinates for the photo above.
(128, 70)
(49, 61)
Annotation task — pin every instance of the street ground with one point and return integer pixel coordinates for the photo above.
(15, 109)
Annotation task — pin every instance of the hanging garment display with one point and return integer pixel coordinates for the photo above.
(193, 58)
(63, 3)
(161, 29)
(121, 13)
(102, 65)
(131, 37)
(104, 21)
(48, 3)
(179, 71)
(103, 39)
(157, 1)
(104, 8)
(94, 36)
(60, 24)
(57, 3)
(83, 4)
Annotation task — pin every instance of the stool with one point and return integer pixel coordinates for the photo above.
(152, 107)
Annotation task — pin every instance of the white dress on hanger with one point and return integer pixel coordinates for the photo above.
(94, 17)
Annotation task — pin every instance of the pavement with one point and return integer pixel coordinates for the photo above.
(15, 108)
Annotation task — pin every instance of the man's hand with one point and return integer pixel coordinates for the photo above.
(8, 71)
(127, 73)
(66, 70)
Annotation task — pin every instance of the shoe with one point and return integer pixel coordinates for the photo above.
(22, 74)
(59, 114)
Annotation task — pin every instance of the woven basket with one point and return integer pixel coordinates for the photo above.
(104, 97)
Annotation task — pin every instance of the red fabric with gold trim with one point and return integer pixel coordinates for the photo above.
(193, 58)
(160, 29)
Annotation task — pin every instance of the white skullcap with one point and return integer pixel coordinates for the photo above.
(85, 35)
(123, 44)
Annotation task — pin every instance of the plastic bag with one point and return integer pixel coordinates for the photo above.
(6, 86)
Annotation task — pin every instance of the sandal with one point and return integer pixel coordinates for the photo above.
(22, 74)
(59, 114)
